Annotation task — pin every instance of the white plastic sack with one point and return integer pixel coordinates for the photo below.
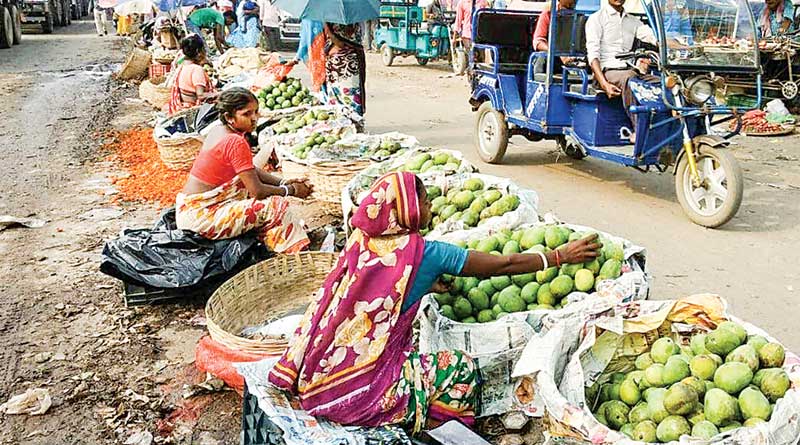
(336, 112)
(575, 346)
(282, 144)
(368, 144)
(498, 344)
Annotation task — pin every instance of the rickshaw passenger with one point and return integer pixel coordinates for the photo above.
(540, 37)
(777, 18)
(609, 32)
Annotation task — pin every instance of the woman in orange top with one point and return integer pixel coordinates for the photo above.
(227, 195)
(192, 85)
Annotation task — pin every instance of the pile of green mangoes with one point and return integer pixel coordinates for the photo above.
(285, 94)
(472, 300)
(287, 125)
(313, 142)
(720, 381)
(432, 162)
(386, 148)
(470, 204)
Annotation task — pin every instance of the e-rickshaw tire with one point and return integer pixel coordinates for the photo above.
(6, 28)
(708, 156)
(422, 61)
(387, 54)
(571, 150)
(460, 61)
(16, 22)
(491, 134)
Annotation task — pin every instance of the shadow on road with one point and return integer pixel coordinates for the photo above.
(764, 208)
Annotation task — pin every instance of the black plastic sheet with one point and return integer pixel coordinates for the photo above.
(165, 257)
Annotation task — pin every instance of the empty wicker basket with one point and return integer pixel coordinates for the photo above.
(178, 152)
(156, 95)
(329, 178)
(136, 65)
(263, 293)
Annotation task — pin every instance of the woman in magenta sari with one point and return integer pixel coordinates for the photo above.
(352, 359)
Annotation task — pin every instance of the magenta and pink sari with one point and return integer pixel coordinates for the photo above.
(352, 359)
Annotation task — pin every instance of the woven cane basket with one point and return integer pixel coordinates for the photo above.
(262, 293)
(329, 178)
(136, 65)
(155, 95)
(178, 153)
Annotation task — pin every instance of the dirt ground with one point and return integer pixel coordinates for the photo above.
(113, 371)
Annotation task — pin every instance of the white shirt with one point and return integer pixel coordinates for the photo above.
(609, 33)
(270, 16)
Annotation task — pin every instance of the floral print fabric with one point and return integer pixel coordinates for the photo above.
(350, 352)
(441, 386)
(346, 69)
(226, 212)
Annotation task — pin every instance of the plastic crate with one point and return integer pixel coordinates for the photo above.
(740, 101)
(159, 70)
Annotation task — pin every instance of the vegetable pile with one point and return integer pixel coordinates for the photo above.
(432, 162)
(315, 141)
(719, 381)
(755, 122)
(148, 180)
(470, 204)
(386, 148)
(471, 300)
(285, 94)
(287, 125)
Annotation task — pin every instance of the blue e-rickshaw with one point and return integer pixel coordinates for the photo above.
(518, 91)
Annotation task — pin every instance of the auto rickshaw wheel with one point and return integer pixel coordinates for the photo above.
(491, 134)
(422, 61)
(387, 54)
(719, 195)
(570, 149)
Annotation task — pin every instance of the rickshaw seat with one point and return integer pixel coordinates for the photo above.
(572, 77)
(590, 89)
(510, 34)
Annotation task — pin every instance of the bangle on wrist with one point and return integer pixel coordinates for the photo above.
(544, 260)
(558, 259)
(285, 190)
(283, 182)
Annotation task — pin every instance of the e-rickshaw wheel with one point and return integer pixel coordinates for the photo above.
(570, 149)
(491, 134)
(422, 61)
(719, 195)
(387, 54)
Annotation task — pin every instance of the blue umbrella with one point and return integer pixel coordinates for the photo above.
(333, 11)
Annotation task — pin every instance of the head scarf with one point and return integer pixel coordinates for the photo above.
(348, 352)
